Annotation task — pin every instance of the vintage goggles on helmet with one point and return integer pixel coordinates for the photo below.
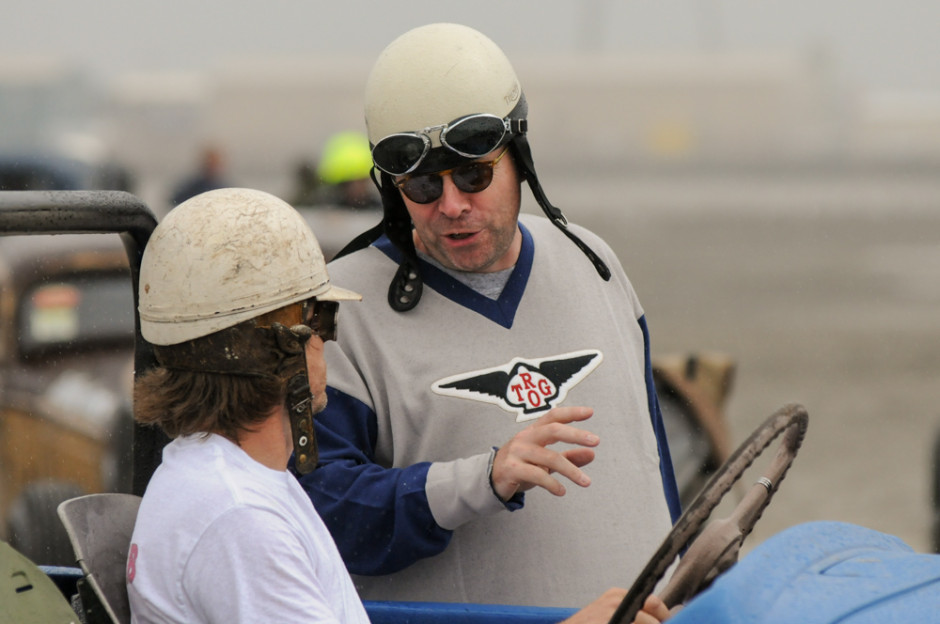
(471, 177)
(472, 136)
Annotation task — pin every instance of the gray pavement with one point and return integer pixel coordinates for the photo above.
(826, 291)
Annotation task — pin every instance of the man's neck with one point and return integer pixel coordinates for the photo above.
(490, 285)
(269, 443)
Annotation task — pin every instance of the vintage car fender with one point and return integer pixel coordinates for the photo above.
(823, 573)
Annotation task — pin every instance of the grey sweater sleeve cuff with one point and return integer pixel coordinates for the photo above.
(459, 491)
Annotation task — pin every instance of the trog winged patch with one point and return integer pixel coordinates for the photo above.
(523, 386)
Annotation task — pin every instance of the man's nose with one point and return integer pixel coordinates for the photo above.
(453, 201)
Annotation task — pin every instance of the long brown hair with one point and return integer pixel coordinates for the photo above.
(184, 402)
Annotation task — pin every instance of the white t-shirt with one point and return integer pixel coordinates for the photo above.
(222, 538)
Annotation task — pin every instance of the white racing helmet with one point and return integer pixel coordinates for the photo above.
(434, 75)
(438, 96)
(226, 256)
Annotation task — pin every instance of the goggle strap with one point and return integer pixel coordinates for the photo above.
(243, 350)
(524, 155)
(599, 264)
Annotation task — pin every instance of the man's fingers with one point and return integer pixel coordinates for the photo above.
(534, 476)
(546, 434)
(553, 427)
(553, 462)
(532, 466)
(579, 456)
(566, 415)
(525, 461)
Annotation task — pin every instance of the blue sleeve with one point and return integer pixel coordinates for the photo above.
(379, 517)
(665, 459)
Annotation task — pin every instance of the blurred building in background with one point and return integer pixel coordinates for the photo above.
(47, 105)
(626, 113)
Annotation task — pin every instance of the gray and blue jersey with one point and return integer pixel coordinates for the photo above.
(418, 400)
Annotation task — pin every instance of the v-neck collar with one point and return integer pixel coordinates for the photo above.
(501, 311)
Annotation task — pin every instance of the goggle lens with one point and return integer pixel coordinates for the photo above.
(474, 136)
(400, 153)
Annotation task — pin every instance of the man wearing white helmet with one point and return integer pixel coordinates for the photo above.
(224, 533)
(236, 301)
(484, 332)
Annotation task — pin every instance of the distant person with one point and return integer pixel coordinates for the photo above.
(485, 340)
(306, 185)
(344, 171)
(210, 176)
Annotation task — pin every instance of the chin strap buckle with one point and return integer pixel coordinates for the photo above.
(405, 290)
(299, 399)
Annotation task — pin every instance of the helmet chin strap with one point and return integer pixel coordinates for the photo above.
(299, 399)
(522, 154)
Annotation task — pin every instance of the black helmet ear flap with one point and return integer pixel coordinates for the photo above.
(405, 290)
(406, 287)
(522, 155)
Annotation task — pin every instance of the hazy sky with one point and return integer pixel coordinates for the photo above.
(876, 44)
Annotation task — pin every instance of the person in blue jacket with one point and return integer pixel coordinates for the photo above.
(493, 354)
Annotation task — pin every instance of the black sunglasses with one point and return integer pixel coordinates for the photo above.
(472, 177)
(472, 136)
(320, 316)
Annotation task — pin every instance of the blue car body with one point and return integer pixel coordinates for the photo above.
(823, 573)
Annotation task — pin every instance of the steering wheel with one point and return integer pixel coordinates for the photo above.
(715, 549)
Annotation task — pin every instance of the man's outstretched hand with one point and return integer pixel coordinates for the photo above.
(526, 461)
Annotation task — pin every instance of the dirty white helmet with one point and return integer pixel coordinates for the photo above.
(226, 256)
